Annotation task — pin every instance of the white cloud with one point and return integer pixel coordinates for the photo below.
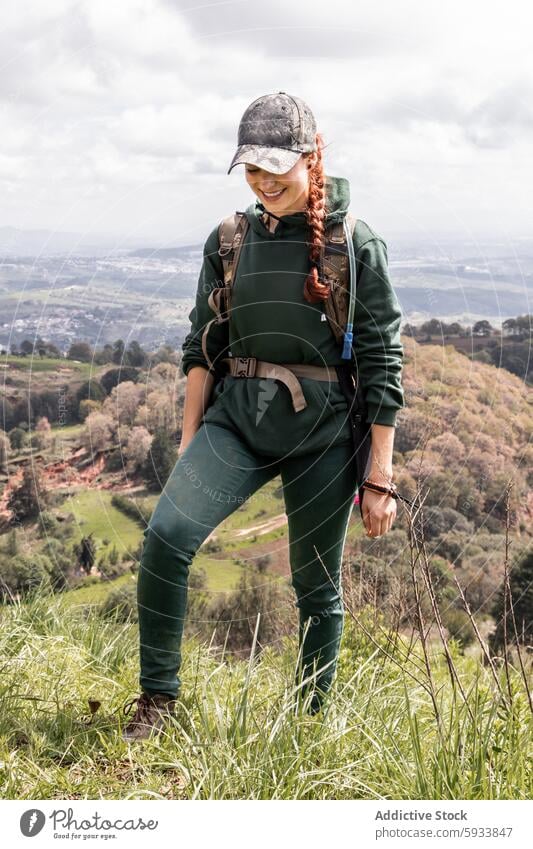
(124, 115)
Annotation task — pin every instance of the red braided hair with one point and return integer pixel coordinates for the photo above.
(314, 289)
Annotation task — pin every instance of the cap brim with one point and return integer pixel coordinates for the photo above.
(277, 160)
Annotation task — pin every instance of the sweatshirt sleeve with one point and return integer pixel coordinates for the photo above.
(211, 276)
(377, 345)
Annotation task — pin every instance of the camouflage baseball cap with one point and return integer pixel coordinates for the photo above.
(274, 132)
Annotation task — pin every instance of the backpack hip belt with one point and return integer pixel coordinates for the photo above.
(286, 372)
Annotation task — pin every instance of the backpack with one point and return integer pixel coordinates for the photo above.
(335, 263)
(232, 233)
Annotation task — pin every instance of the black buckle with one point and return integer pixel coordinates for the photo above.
(244, 366)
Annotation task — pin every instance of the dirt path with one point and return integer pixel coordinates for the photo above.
(263, 528)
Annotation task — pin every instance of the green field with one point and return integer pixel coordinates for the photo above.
(390, 729)
(95, 514)
(43, 364)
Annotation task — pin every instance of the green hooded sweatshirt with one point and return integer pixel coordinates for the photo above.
(271, 320)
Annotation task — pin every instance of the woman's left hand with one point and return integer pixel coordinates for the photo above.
(379, 512)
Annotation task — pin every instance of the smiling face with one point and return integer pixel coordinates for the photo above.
(282, 194)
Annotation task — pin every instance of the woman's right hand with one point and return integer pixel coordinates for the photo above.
(182, 448)
(197, 396)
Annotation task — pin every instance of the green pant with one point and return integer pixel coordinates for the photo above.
(213, 476)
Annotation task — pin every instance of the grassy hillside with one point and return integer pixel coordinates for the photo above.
(237, 734)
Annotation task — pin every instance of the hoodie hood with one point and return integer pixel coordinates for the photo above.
(337, 204)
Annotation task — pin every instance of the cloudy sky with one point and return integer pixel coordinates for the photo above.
(120, 118)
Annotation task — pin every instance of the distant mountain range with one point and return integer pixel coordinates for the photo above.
(15, 242)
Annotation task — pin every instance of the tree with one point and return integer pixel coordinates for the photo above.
(91, 390)
(86, 552)
(166, 354)
(17, 438)
(510, 327)
(46, 349)
(53, 351)
(48, 524)
(433, 327)
(118, 375)
(80, 351)
(521, 584)
(137, 447)
(5, 446)
(524, 323)
(98, 432)
(118, 351)
(43, 432)
(121, 604)
(26, 347)
(482, 328)
(61, 563)
(113, 556)
(255, 594)
(30, 497)
(160, 461)
(86, 408)
(104, 355)
(159, 410)
(124, 402)
(135, 355)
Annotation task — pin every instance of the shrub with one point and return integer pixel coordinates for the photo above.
(458, 624)
(211, 546)
(17, 438)
(134, 509)
(30, 497)
(121, 604)
(234, 615)
(521, 584)
(108, 570)
(48, 524)
(23, 573)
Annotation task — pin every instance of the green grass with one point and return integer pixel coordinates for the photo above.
(222, 575)
(95, 514)
(236, 545)
(68, 432)
(238, 733)
(94, 592)
(37, 363)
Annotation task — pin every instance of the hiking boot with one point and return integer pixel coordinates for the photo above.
(151, 715)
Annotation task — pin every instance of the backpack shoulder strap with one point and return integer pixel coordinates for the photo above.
(231, 234)
(336, 269)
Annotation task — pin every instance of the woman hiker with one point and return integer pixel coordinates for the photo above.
(241, 429)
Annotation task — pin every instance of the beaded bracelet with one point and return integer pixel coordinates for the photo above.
(376, 487)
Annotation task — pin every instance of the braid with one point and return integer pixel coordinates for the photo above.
(314, 290)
